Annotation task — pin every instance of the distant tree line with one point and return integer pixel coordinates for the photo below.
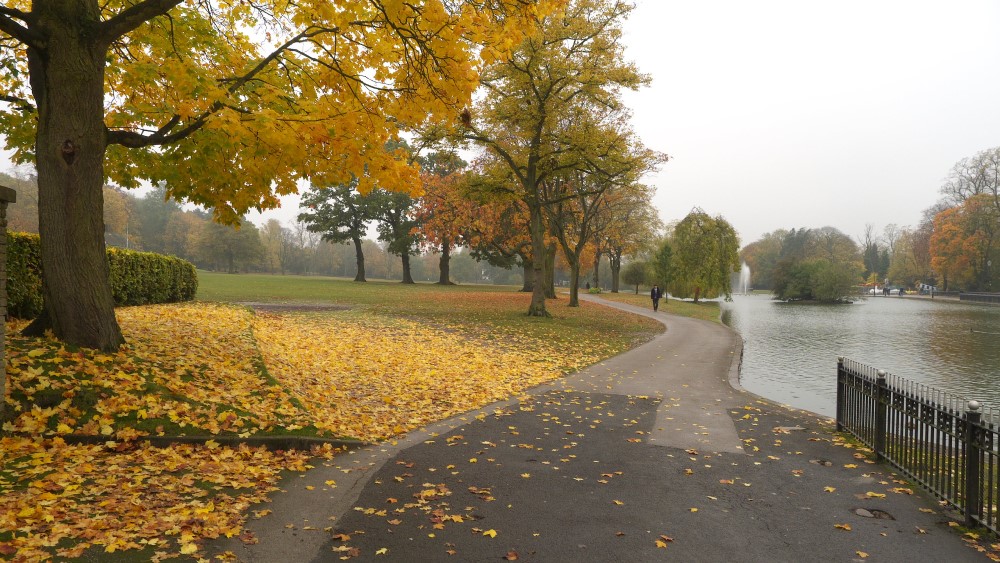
(157, 224)
(955, 246)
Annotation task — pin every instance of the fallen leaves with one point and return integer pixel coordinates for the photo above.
(663, 540)
(132, 499)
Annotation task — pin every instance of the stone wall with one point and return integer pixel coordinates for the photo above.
(7, 196)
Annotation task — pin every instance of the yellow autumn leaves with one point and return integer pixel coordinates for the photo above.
(370, 379)
(214, 370)
(211, 369)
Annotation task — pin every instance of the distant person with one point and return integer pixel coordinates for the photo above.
(655, 294)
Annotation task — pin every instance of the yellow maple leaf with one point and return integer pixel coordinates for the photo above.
(491, 533)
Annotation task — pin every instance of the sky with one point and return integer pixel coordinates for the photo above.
(787, 114)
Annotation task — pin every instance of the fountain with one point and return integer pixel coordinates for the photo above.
(744, 286)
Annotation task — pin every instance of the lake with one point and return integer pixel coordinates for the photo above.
(791, 349)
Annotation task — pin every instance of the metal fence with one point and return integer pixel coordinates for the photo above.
(993, 298)
(941, 441)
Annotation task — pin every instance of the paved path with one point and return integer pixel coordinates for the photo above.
(651, 455)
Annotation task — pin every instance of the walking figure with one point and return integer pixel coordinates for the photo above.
(655, 294)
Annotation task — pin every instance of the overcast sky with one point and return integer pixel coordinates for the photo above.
(787, 114)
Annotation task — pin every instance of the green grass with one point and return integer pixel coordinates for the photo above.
(704, 310)
(266, 288)
(490, 307)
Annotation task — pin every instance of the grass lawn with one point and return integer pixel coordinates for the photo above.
(704, 310)
(325, 357)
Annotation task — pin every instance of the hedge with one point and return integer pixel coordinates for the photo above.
(136, 278)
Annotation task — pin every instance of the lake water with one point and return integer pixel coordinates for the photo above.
(791, 349)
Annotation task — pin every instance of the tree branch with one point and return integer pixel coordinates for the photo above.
(25, 104)
(18, 31)
(131, 18)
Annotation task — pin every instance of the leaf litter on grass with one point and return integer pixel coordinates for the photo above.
(209, 369)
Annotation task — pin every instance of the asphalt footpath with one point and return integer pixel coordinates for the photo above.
(656, 454)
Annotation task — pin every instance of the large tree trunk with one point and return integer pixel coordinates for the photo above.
(407, 278)
(444, 264)
(529, 275)
(360, 256)
(67, 82)
(537, 225)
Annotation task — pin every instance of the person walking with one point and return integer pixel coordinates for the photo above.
(655, 294)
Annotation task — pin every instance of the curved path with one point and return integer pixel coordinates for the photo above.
(649, 455)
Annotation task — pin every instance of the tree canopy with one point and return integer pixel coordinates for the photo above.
(554, 107)
(229, 104)
(704, 256)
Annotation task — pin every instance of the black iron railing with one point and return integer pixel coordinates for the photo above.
(941, 441)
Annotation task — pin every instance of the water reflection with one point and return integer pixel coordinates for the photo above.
(791, 350)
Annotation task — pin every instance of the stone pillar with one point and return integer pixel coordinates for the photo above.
(7, 196)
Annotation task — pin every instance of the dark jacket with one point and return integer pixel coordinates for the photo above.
(655, 293)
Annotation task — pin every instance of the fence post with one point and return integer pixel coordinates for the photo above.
(841, 393)
(973, 456)
(881, 410)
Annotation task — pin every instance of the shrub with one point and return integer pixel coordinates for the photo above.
(136, 278)
(24, 275)
(594, 290)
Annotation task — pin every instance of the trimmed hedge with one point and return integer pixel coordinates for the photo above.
(136, 278)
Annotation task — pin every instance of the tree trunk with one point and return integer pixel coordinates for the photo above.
(67, 82)
(574, 283)
(697, 292)
(550, 271)
(615, 260)
(597, 269)
(407, 278)
(444, 264)
(537, 225)
(529, 274)
(360, 256)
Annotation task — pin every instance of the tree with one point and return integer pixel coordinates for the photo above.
(632, 223)
(663, 266)
(577, 198)
(443, 210)
(978, 175)
(229, 103)
(397, 226)
(816, 265)
(762, 257)
(636, 273)
(272, 238)
(704, 256)
(497, 232)
(574, 62)
(905, 267)
(964, 243)
(341, 214)
(227, 248)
